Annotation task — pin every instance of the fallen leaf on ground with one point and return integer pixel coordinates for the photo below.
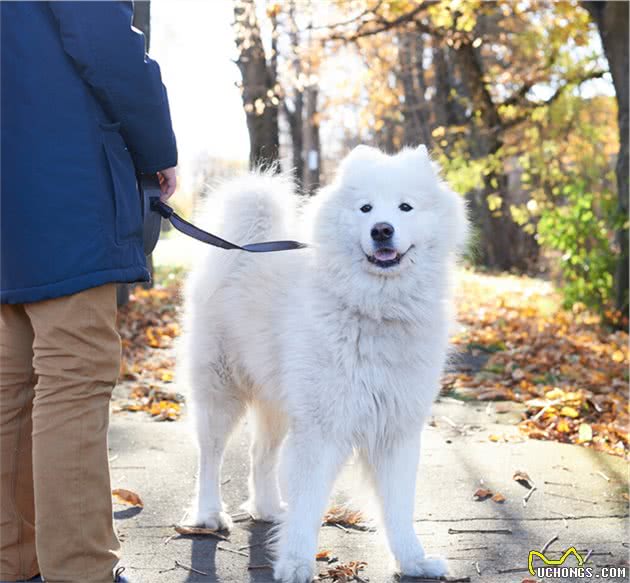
(344, 516)
(322, 556)
(523, 479)
(499, 498)
(127, 497)
(165, 410)
(482, 494)
(585, 432)
(345, 572)
(562, 426)
(493, 395)
(569, 412)
(161, 405)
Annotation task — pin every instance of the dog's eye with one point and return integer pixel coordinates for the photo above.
(366, 208)
(405, 207)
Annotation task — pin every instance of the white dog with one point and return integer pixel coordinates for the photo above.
(338, 347)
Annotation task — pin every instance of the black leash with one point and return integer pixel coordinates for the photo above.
(153, 209)
(191, 230)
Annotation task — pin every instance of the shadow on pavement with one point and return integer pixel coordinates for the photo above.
(203, 558)
(259, 552)
(606, 465)
(127, 513)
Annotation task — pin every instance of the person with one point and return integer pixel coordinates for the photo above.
(83, 111)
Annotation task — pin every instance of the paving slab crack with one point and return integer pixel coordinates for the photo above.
(546, 519)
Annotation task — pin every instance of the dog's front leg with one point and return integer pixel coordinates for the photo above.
(394, 469)
(310, 467)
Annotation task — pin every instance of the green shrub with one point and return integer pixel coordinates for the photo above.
(581, 228)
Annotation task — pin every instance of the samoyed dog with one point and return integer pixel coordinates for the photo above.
(334, 349)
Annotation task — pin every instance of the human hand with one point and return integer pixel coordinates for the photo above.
(168, 182)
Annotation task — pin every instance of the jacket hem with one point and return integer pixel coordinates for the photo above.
(74, 285)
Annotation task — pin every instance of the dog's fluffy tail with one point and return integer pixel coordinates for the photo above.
(253, 208)
(250, 208)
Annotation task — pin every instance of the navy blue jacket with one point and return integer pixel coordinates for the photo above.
(82, 110)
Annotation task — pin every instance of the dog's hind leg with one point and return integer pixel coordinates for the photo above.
(269, 427)
(216, 414)
(393, 469)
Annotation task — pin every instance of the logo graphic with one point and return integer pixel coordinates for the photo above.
(554, 562)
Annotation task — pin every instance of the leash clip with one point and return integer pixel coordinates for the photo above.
(161, 208)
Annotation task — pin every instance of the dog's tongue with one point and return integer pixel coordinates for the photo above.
(385, 254)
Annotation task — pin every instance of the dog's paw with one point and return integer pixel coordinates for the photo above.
(430, 567)
(292, 569)
(265, 511)
(211, 520)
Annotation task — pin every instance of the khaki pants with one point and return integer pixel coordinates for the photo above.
(59, 360)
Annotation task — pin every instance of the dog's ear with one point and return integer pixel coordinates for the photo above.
(423, 150)
(419, 154)
(425, 156)
(356, 162)
(361, 148)
(362, 152)
(417, 160)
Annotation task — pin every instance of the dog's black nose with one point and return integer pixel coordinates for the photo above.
(382, 232)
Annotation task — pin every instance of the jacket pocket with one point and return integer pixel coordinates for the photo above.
(124, 185)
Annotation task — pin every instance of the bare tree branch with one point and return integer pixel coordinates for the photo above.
(530, 105)
(384, 24)
(356, 18)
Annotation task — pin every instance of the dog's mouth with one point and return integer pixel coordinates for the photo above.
(386, 257)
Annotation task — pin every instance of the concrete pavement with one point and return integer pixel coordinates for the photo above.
(579, 498)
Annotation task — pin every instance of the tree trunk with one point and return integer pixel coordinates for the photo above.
(260, 100)
(312, 150)
(294, 116)
(501, 243)
(295, 112)
(612, 21)
(417, 128)
(446, 109)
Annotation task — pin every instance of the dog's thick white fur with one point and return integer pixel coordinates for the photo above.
(338, 347)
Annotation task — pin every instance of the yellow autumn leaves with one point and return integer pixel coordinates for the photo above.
(565, 366)
(148, 325)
